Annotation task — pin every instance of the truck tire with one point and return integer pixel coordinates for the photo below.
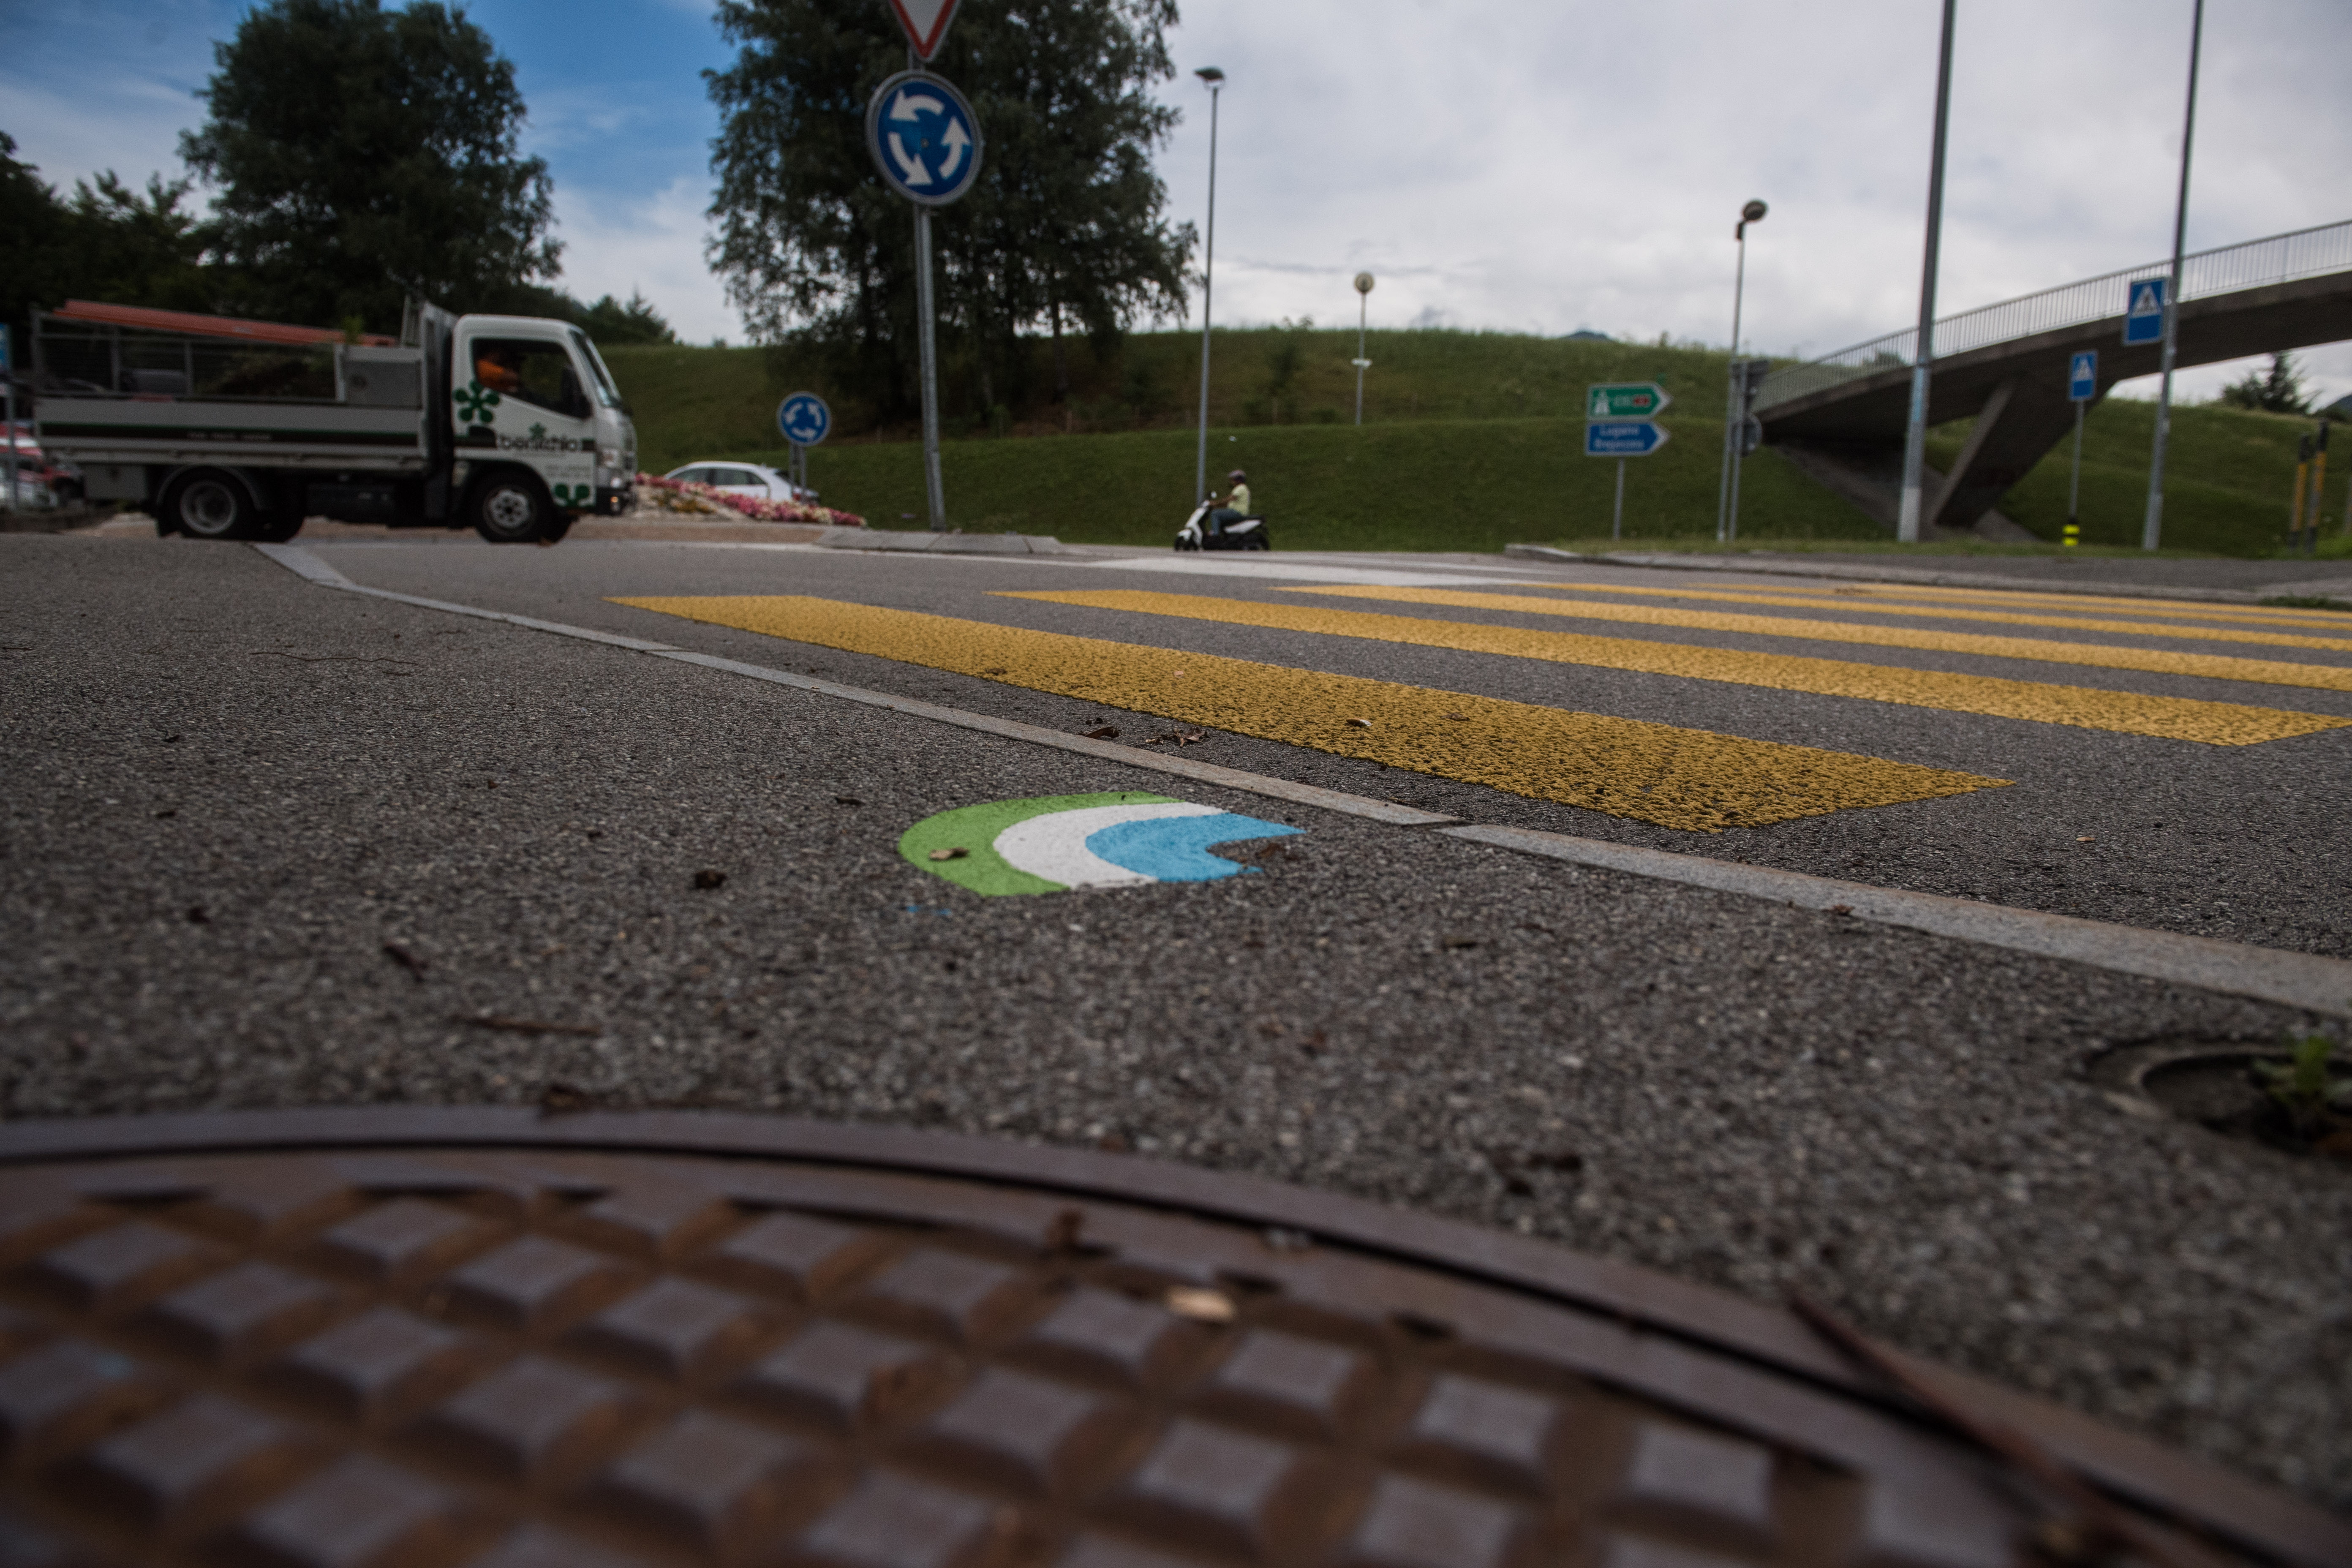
(512, 508)
(208, 504)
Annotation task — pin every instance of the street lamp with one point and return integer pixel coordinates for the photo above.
(1909, 512)
(1735, 416)
(1363, 302)
(1214, 80)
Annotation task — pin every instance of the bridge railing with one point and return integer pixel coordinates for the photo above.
(2281, 258)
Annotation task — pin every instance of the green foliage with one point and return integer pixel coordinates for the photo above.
(2304, 1086)
(108, 242)
(2277, 390)
(361, 154)
(1065, 220)
(611, 323)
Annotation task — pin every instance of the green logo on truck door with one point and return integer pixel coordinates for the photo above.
(475, 402)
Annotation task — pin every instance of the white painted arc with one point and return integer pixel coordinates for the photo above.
(1054, 846)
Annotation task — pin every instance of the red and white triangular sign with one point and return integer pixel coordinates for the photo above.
(926, 21)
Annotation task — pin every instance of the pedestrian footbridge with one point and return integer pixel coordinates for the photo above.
(1841, 417)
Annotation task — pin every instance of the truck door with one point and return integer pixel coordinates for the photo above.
(519, 399)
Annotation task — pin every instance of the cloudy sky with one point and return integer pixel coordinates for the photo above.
(1535, 165)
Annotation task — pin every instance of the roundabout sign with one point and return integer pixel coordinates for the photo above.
(924, 138)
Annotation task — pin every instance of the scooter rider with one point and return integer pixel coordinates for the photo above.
(1237, 503)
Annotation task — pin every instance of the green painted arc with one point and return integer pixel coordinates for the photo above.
(973, 829)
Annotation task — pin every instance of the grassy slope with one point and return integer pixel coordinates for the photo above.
(1472, 442)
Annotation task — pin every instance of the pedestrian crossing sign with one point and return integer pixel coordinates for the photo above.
(2144, 322)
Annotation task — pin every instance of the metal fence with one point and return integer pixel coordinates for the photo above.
(2281, 258)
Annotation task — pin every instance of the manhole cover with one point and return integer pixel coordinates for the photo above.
(395, 1337)
(2233, 1087)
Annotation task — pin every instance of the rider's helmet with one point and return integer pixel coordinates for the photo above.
(1238, 475)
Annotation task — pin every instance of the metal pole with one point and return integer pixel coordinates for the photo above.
(1617, 517)
(2152, 531)
(1208, 274)
(1915, 437)
(1731, 393)
(2075, 484)
(1363, 305)
(928, 336)
(1739, 441)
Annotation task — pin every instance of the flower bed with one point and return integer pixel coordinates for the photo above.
(756, 507)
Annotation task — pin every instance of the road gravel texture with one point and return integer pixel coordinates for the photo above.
(268, 844)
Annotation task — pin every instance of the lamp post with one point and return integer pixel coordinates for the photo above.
(2152, 530)
(1734, 409)
(1363, 302)
(1915, 437)
(1214, 80)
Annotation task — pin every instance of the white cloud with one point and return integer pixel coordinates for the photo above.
(618, 245)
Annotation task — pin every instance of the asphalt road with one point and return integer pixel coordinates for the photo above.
(269, 844)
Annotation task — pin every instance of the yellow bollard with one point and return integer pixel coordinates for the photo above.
(2073, 535)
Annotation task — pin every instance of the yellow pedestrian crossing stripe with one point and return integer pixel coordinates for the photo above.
(2095, 655)
(2265, 634)
(2089, 708)
(2260, 615)
(1646, 772)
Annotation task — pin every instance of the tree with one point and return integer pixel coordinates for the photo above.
(108, 242)
(361, 154)
(1065, 225)
(2277, 390)
(609, 322)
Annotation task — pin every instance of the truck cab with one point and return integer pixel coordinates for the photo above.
(532, 395)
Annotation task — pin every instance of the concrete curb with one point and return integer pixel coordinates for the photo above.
(955, 543)
(1783, 566)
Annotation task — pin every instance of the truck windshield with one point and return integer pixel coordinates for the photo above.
(607, 393)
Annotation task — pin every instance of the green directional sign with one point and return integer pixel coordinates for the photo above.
(1625, 400)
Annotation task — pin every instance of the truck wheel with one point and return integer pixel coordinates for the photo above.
(511, 508)
(207, 505)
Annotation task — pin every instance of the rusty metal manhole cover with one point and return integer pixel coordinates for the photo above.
(394, 1338)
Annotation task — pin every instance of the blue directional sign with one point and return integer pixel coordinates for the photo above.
(2083, 376)
(924, 137)
(2143, 320)
(1623, 438)
(3, 349)
(804, 418)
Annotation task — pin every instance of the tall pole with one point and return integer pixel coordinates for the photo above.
(930, 338)
(2152, 531)
(1731, 409)
(1216, 81)
(2075, 484)
(1363, 309)
(1915, 437)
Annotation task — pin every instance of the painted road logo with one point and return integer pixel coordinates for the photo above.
(1054, 842)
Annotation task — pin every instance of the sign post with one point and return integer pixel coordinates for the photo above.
(805, 421)
(925, 139)
(2083, 387)
(1747, 431)
(1621, 422)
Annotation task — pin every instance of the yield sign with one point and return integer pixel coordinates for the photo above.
(926, 21)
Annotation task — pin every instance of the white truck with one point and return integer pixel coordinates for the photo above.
(228, 429)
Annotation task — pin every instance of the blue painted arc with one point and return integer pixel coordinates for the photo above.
(1176, 848)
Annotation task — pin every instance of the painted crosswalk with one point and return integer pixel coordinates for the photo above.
(2036, 650)
(2090, 708)
(1664, 774)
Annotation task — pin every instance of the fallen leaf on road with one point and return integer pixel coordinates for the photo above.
(705, 880)
(562, 1100)
(846, 800)
(1841, 909)
(2086, 838)
(1458, 941)
(1103, 733)
(407, 960)
(1200, 1306)
(955, 854)
(999, 669)
(1360, 723)
(1459, 718)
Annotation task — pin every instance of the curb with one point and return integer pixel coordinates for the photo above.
(954, 543)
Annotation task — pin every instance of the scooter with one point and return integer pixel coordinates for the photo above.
(1247, 533)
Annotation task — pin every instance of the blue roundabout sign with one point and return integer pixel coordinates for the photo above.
(924, 137)
(804, 418)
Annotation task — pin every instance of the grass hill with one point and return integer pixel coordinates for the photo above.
(1471, 440)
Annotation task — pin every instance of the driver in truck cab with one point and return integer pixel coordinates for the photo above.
(499, 370)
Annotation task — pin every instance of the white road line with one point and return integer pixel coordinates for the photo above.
(2300, 980)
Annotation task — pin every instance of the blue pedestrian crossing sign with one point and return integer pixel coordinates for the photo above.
(1624, 437)
(804, 418)
(924, 137)
(2083, 376)
(2144, 322)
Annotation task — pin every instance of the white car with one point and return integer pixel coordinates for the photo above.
(743, 479)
